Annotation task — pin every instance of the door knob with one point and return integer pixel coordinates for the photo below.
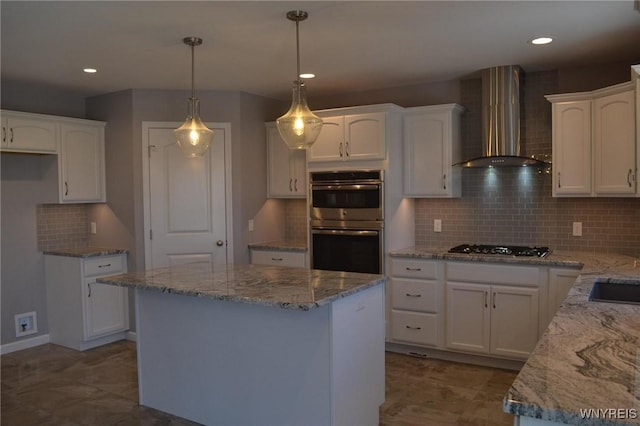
(219, 243)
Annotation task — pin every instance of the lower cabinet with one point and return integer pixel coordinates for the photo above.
(560, 282)
(416, 302)
(278, 258)
(82, 313)
(495, 319)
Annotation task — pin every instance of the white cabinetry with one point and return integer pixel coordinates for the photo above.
(417, 302)
(82, 313)
(594, 142)
(492, 309)
(28, 133)
(350, 137)
(560, 282)
(286, 168)
(278, 258)
(81, 163)
(431, 147)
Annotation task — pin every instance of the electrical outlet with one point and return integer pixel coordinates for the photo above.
(250, 224)
(93, 227)
(577, 229)
(26, 323)
(437, 225)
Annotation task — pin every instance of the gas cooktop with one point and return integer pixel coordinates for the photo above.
(501, 249)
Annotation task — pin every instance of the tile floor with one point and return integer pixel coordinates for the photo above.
(52, 385)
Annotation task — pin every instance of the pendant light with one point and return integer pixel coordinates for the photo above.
(193, 136)
(299, 127)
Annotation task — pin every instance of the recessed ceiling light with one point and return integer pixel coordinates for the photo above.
(307, 75)
(541, 40)
(90, 70)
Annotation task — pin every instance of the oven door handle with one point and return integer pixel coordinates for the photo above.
(349, 187)
(350, 232)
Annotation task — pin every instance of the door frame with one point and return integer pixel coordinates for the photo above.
(146, 190)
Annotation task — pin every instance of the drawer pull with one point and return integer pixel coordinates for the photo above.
(104, 266)
(413, 328)
(277, 259)
(413, 269)
(413, 295)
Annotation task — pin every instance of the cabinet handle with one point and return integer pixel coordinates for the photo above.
(11, 133)
(413, 269)
(89, 287)
(494, 300)
(413, 295)
(629, 176)
(340, 149)
(66, 188)
(4, 134)
(295, 184)
(486, 299)
(346, 146)
(558, 179)
(104, 266)
(413, 328)
(444, 182)
(277, 259)
(290, 183)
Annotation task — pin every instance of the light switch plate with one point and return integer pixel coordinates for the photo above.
(437, 225)
(577, 229)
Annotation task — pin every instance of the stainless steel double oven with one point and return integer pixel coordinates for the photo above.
(347, 220)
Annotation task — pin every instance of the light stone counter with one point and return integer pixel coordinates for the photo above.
(589, 356)
(283, 287)
(85, 252)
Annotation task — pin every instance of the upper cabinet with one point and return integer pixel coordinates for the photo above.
(431, 147)
(350, 137)
(81, 163)
(286, 168)
(594, 142)
(28, 133)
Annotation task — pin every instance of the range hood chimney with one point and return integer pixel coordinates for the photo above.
(501, 93)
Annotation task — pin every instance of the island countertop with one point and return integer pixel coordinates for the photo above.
(283, 287)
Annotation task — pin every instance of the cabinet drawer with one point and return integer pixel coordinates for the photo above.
(478, 272)
(414, 327)
(278, 258)
(104, 265)
(415, 295)
(414, 268)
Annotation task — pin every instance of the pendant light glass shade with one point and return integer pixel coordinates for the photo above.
(299, 127)
(193, 137)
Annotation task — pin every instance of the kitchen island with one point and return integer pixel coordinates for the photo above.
(259, 345)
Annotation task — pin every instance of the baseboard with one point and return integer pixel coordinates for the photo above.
(24, 344)
(132, 336)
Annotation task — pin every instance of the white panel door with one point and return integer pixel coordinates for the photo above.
(514, 321)
(187, 201)
(468, 317)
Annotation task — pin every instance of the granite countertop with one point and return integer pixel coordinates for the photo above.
(283, 287)
(284, 245)
(589, 356)
(86, 251)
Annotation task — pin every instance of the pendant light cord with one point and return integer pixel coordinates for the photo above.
(193, 71)
(298, 49)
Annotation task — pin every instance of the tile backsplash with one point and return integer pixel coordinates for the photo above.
(61, 225)
(296, 220)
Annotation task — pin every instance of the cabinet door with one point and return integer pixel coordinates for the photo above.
(330, 143)
(468, 317)
(514, 321)
(106, 309)
(614, 144)
(82, 163)
(280, 181)
(365, 136)
(427, 154)
(29, 134)
(572, 148)
(560, 282)
(298, 162)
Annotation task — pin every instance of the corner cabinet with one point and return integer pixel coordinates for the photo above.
(83, 314)
(350, 138)
(28, 133)
(594, 143)
(286, 168)
(431, 147)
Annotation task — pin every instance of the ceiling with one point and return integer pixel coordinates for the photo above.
(350, 45)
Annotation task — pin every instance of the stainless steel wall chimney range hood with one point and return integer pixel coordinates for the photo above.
(501, 92)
